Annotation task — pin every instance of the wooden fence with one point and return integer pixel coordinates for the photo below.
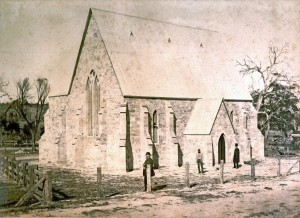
(9, 143)
(297, 162)
(37, 183)
(16, 144)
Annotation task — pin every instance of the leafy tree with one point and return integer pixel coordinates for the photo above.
(3, 122)
(273, 90)
(278, 109)
(26, 132)
(13, 127)
(22, 105)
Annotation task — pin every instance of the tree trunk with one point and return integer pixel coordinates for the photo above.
(259, 101)
(266, 136)
(33, 139)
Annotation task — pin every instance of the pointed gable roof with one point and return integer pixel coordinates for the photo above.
(159, 59)
(203, 116)
(162, 60)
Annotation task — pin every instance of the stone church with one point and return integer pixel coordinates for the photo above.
(146, 85)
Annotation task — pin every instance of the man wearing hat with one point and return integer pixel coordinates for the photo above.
(236, 156)
(147, 161)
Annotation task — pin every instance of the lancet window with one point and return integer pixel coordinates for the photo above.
(92, 104)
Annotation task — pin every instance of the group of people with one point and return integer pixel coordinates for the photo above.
(199, 161)
(236, 159)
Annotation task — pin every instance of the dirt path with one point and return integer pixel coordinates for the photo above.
(267, 196)
(271, 198)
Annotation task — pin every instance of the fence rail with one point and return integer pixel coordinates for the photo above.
(291, 167)
(9, 143)
(16, 144)
(38, 183)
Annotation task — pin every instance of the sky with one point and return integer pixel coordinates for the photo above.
(41, 38)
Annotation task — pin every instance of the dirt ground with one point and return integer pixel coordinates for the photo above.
(77, 194)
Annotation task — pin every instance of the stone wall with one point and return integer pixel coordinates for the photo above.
(168, 150)
(222, 126)
(77, 147)
(50, 140)
(234, 131)
(245, 124)
(100, 148)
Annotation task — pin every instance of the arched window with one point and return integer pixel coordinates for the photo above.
(247, 121)
(93, 103)
(96, 105)
(149, 125)
(89, 113)
(155, 127)
(174, 123)
(231, 116)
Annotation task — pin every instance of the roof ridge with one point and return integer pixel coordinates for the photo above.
(159, 21)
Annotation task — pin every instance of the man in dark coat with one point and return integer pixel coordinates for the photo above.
(236, 156)
(147, 161)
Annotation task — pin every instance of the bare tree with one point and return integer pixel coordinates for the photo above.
(23, 106)
(267, 76)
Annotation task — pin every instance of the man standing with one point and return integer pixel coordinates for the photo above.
(236, 156)
(147, 161)
(199, 160)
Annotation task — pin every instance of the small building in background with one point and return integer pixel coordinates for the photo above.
(14, 127)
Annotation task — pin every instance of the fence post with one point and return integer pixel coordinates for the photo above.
(2, 169)
(252, 169)
(9, 168)
(31, 175)
(24, 172)
(99, 181)
(222, 171)
(149, 184)
(36, 176)
(48, 187)
(6, 167)
(279, 166)
(15, 171)
(18, 176)
(12, 169)
(187, 175)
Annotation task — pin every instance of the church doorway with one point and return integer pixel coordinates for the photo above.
(221, 149)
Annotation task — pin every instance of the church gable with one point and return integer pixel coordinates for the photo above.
(222, 122)
(204, 116)
(92, 56)
(92, 106)
(94, 80)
